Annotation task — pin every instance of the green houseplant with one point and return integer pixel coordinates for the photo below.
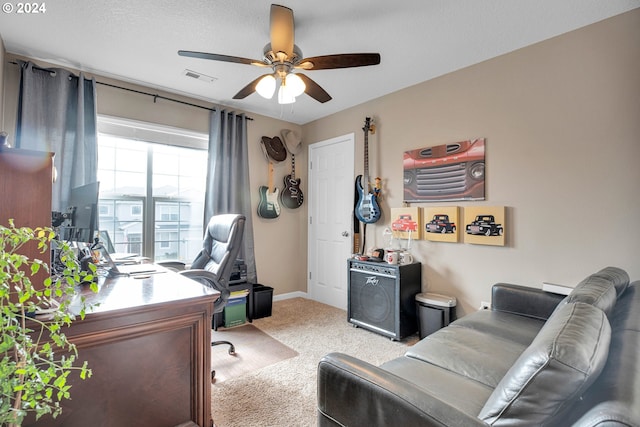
(37, 357)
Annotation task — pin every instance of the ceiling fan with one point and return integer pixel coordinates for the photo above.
(283, 56)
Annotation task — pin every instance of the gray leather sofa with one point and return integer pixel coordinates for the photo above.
(534, 359)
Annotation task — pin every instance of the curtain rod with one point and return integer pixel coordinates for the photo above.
(155, 96)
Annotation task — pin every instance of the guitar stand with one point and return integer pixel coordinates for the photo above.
(364, 238)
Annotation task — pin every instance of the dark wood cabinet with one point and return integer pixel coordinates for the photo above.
(25, 194)
(25, 187)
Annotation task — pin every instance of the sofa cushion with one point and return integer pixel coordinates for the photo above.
(617, 276)
(509, 326)
(625, 316)
(562, 361)
(472, 354)
(597, 291)
(613, 399)
(458, 391)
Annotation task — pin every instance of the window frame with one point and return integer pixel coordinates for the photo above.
(154, 134)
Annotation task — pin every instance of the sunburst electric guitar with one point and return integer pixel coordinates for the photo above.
(367, 209)
(268, 206)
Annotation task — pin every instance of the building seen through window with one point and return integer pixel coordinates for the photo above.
(151, 193)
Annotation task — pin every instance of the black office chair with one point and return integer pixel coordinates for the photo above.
(214, 264)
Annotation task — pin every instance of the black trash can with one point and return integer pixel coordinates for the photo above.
(435, 311)
(262, 301)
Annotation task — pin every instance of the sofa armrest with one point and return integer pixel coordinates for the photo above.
(524, 301)
(352, 392)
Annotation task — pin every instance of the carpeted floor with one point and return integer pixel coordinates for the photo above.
(284, 393)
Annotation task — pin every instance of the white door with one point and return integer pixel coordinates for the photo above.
(331, 199)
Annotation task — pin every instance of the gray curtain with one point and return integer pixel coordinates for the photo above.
(57, 113)
(228, 188)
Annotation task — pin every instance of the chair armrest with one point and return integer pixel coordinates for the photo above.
(524, 301)
(173, 265)
(352, 392)
(209, 279)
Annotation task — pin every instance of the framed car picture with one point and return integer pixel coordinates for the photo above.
(441, 224)
(446, 172)
(484, 225)
(406, 223)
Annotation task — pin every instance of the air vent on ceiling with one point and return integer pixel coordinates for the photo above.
(199, 76)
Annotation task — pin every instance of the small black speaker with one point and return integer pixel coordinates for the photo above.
(382, 297)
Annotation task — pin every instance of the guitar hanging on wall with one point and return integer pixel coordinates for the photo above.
(291, 196)
(367, 209)
(268, 206)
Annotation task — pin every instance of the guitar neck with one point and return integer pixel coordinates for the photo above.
(293, 167)
(367, 125)
(270, 184)
(366, 157)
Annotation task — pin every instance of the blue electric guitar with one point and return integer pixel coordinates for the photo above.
(367, 209)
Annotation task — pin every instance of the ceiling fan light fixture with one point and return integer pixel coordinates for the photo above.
(295, 84)
(282, 55)
(285, 96)
(266, 87)
(291, 86)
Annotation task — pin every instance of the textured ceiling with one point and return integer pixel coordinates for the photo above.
(137, 41)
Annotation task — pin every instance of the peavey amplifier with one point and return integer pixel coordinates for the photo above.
(382, 297)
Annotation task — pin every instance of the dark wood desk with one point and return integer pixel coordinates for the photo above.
(148, 344)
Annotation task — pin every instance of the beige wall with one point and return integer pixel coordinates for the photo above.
(277, 246)
(562, 122)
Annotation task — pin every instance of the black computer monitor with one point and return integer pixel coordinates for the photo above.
(84, 201)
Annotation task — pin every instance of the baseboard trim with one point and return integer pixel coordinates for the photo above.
(297, 294)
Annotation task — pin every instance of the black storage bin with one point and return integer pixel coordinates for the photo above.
(435, 311)
(262, 301)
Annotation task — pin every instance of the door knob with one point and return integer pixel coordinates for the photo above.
(345, 234)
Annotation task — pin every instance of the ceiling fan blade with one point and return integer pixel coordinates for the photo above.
(345, 60)
(224, 58)
(248, 89)
(282, 29)
(314, 90)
